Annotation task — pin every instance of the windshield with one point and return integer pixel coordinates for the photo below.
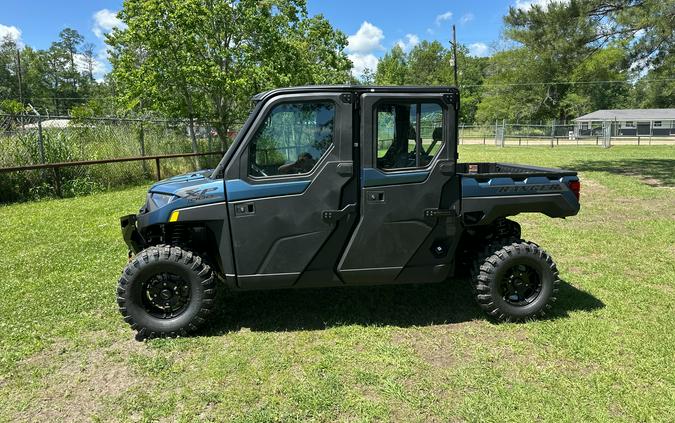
(236, 139)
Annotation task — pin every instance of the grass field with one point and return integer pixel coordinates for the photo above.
(410, 353)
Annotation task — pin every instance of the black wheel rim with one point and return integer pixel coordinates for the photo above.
(165, 295)
(521, 285)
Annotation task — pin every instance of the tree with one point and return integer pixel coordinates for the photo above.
(508, 94)
(70, 42)
(644, 27)
(49, 80)
(8, 68)
(471, 74)
(392, 69)
(429, 63)
(656, 89)
(204, 58)
(38, 87)
(367, 78)
(89, 60)
(556, 53)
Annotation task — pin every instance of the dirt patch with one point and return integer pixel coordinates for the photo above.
(441, 345)
(593, 189)
(575, 270)
(666, 289)
(652, 181)
(77, 381)
(601, 206)
(447, 347)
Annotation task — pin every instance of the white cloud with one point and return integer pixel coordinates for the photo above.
(362, 62)
(478, 49)
(12, 32)
(526, 5)
(362, 45)
(411, 40)
(443, 17)
(467, 17)
(99, 69)
(366, 40)
(104, 22)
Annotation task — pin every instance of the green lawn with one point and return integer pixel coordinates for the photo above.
(411, 353)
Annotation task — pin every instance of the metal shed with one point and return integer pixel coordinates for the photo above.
(628, 122)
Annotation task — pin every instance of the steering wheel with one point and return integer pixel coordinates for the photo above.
(255, 168)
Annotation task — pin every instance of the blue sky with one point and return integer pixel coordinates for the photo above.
(373, 26)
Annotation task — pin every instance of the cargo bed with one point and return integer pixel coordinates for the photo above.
(491, 190)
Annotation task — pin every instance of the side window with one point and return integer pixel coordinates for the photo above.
(408, 134)
(292, 139)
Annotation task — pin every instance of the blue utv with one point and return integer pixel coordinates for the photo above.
(337, 186)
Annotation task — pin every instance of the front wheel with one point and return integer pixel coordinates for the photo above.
(515, 281)
(166, 291)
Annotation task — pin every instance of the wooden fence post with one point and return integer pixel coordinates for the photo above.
(159, 172)
(57, 182)
(41, 144)
(552, 132)
(141, 141)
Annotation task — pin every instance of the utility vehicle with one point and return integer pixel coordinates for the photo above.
(337, 186)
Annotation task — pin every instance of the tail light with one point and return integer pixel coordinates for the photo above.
(575, 187)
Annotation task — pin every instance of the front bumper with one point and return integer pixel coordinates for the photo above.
(130, 233)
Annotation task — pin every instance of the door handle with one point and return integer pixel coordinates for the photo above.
(332, 216)
(447, 168)
(345, 169)
(375, 196)
(244, 209)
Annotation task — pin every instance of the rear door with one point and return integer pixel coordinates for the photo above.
(288, 189)
(407, 227)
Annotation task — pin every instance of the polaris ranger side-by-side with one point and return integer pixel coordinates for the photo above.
(338, 186)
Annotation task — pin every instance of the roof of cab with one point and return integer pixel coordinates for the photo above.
(356, 89)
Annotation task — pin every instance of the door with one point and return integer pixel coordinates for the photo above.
(643, 128)
(407, 229)
(288, 188)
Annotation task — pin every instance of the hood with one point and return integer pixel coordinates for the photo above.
(190, 189)
(178, 182)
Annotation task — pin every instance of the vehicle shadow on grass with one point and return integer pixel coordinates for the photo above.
(655, 172)
(401, 305)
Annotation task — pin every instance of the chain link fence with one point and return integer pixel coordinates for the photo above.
(28, 140)
(603, 134)
(35, 140)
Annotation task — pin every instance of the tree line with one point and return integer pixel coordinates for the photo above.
(557, 61)
(53, 80)
(204, 59)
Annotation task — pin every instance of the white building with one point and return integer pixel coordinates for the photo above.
(628, 122)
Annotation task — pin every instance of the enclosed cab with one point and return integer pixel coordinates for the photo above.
(336, 186)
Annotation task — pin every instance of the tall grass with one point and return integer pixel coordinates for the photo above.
(94, 141)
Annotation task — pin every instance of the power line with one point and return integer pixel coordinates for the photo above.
(528, 84)
(515, 84)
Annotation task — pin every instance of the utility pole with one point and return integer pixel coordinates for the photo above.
(454, 53)
(18, 74)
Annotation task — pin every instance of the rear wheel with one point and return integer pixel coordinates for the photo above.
(166, 291)
(515, 280)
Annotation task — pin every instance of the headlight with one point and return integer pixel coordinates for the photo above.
(161, 200)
